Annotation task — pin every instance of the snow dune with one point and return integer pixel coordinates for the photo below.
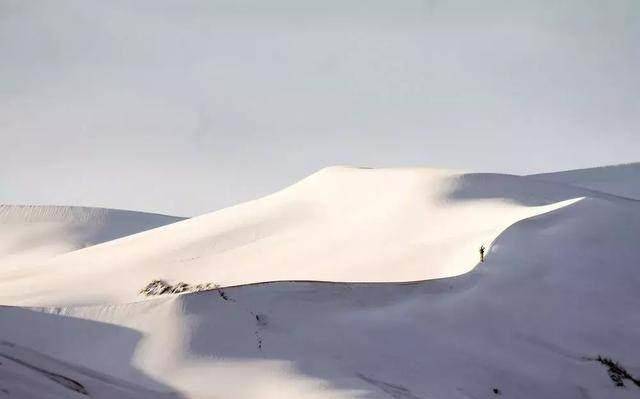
(559, 287)
(622, 180)
(340, 224)
(32, 233)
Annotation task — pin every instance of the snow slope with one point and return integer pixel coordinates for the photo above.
(622, 180)
(26, 373)
(340, 224)
(560, 286)
(32, 233)
(556, 290)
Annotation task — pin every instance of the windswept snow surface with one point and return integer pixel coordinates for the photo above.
(340, 224)
(622, 180)
(560, 286)
(33, 233)
(25, 373)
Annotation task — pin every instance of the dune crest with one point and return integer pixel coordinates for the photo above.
(555, 296)
(340, 224)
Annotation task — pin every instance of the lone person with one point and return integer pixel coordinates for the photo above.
(482, 253)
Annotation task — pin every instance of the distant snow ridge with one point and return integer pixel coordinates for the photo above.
(622, 180)
(74, 214)
(30, 233)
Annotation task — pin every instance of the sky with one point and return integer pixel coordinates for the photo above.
(185, 107)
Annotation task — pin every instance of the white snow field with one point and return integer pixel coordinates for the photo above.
(35, 233)
(560, 287)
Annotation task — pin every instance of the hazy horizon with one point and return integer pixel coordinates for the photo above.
(187, 107)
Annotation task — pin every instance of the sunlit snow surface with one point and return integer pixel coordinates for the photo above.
(395, 303)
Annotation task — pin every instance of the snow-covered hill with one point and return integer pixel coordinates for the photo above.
(31, 233)
(340, 224)
(560, 287)
(622, 180)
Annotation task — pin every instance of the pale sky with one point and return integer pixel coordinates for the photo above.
(184, 107)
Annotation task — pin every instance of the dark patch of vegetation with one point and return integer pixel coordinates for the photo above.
(203, 287)
(616, 372)
(156, 287)
(161, 287)
(180, 287)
